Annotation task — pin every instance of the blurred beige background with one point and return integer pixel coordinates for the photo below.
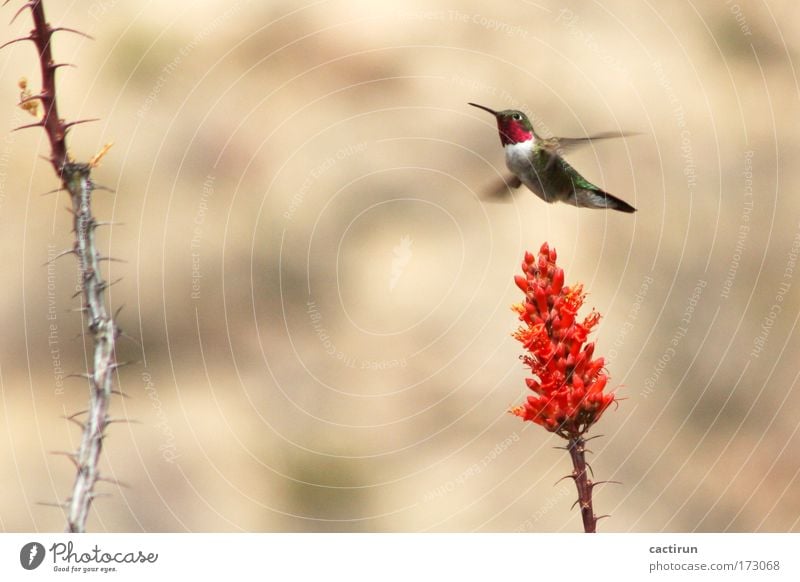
(321, 295)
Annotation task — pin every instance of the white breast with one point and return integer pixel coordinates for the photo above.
(518, 157)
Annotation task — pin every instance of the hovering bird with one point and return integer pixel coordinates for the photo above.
(537, 163)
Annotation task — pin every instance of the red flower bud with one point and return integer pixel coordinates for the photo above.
(558, 281)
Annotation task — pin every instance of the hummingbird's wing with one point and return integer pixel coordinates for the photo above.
(557, 146)
(502, 191)
(562, 144)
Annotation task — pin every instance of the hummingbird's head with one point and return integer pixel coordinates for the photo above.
(514, 126)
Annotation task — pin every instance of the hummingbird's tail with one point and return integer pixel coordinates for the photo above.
(602, 199)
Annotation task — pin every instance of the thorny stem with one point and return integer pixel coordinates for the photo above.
(76, 179)
(54, 126)
(577, 451)
(104, 332)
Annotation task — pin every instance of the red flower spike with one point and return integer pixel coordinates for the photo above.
(567, 390)
(569, 384)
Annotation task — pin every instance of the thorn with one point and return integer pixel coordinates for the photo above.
(597, 436)
(65, 29)
(28, 126)
(122, 421)
(53, 504)
(128, 337)
(118, 310)
(117, 365)
(569, 476)
(59, 255)
(595, 483)
(596, 519)
(111, 260)
(79, 375)
(115, 281)
(54, 66)
(5, 44)
(53, 191)
(94, 495)
(71, 456)
(107, 223)
(116, 482)
(120, 393)
(24, 6)
(76, 421)
(99, 187)
(71, 416)
(78, 310)
(29, 98)
(66, 126)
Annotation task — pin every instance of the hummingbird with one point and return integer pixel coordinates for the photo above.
(537, 162)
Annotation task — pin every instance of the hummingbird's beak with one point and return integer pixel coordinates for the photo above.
(492, 111)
